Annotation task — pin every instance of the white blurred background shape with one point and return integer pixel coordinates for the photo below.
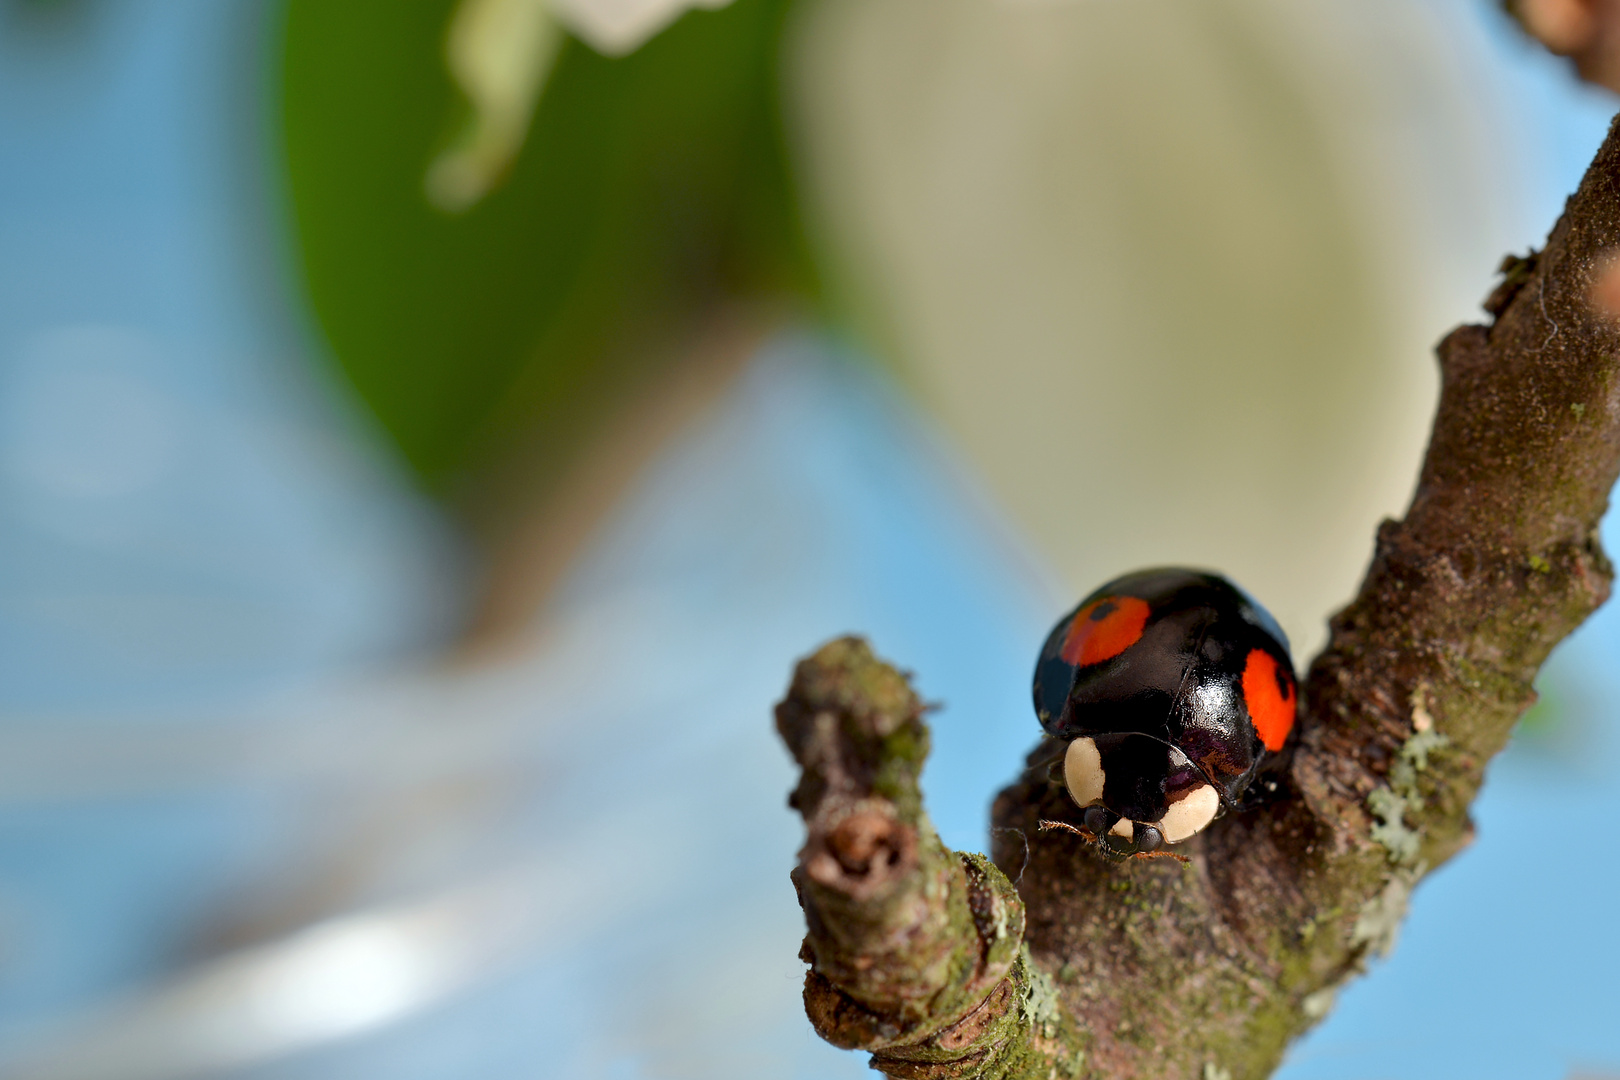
(1170, 272)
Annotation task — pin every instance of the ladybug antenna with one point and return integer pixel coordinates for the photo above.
(1045, 825)
(1182, 859)
(1091, 838)
(1048, 825)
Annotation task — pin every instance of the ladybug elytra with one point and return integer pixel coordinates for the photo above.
(1173, 691)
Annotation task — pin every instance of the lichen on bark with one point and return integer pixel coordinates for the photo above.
(931, 960)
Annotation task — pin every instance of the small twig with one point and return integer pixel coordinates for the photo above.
(914, 949)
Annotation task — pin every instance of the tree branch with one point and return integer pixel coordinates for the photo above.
(1207, 970)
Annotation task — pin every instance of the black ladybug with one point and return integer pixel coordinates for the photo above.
(1172, 689)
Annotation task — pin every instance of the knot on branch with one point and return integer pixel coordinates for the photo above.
(862, 851)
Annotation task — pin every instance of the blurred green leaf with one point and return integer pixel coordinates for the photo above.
(650, 188)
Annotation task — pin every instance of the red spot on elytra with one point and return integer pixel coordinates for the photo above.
(1269, 692)
(1103, 629)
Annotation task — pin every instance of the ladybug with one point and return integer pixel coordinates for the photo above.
(1173, 690)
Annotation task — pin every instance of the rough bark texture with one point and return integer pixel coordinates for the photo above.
(1206, 970)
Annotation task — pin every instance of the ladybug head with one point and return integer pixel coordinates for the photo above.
(1137, 791)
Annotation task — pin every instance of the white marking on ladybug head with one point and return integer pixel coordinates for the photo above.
(1083, 772)
(1124, 828)
(1189, 813)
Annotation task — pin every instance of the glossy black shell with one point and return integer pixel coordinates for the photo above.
(1180, 683)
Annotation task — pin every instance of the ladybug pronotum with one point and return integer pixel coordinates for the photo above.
(1173, 691)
